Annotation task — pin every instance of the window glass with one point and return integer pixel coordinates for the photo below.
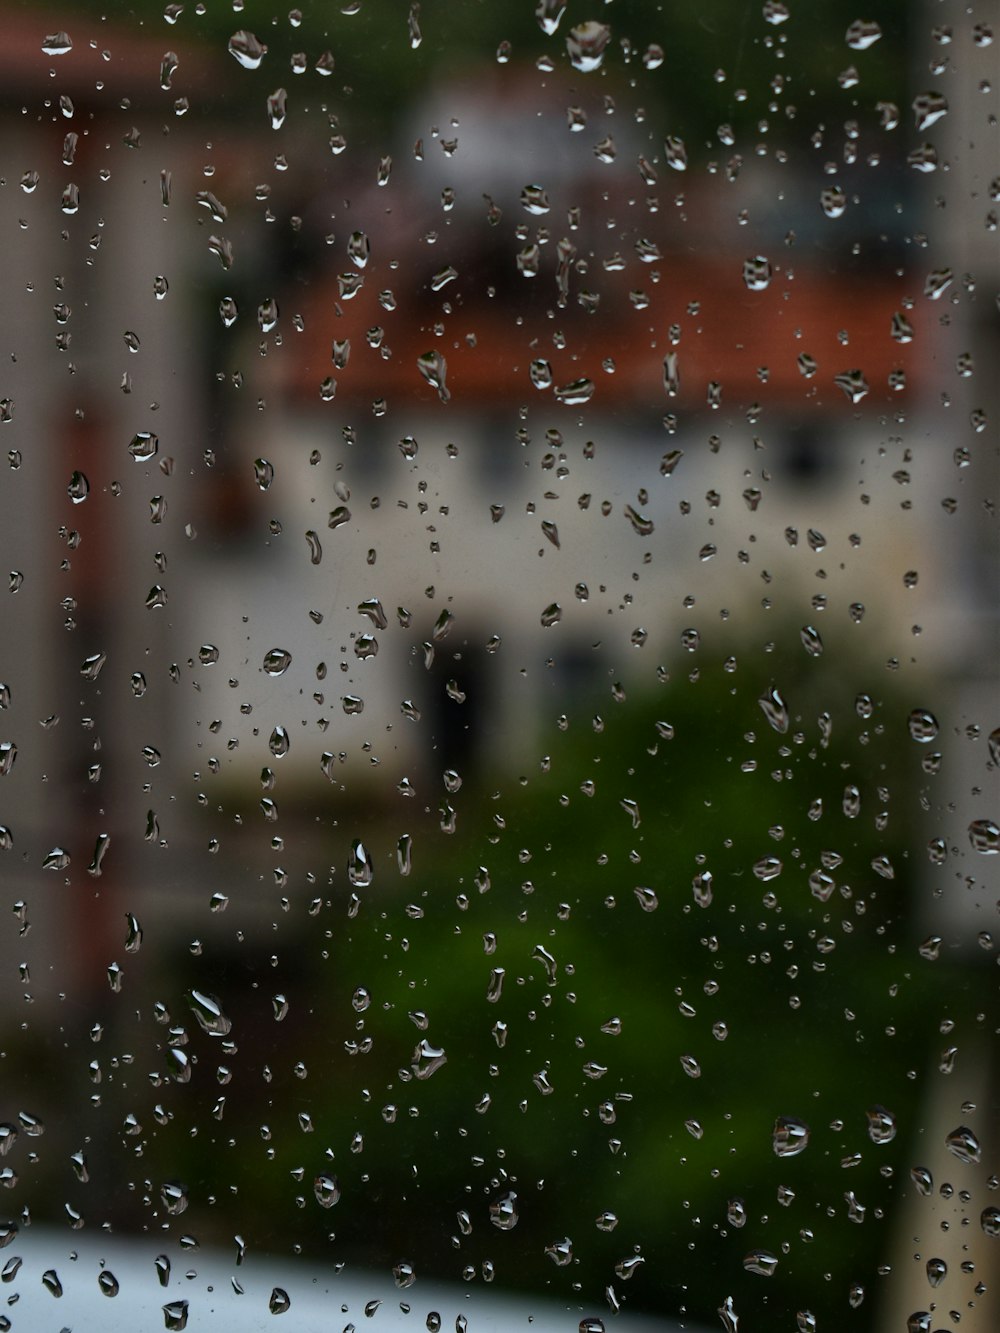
(498, 721)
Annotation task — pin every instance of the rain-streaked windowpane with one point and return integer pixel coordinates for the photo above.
(499, 720)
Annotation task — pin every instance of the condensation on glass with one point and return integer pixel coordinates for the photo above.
(498, 721)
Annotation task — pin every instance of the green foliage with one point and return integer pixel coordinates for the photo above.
(791, 1006)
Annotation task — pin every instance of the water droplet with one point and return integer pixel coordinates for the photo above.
(853, 383)
(279, 1301)
(586, 44)
(442, 626)
(701, 886)
(551, 615)
(528, 260)
(923, 1180)
(963, 1144)
(757, 273)
(434, 368)
(57, 859)
(108, 1283)
(937, 1271)
(427, 1059)
(901, 328)
(790, 1136)
(646, 898)
(990, 1221)
(640, 523)
(768, 868)
(575, 393)
(144, 446)
(359, 865)
(811, 640)
(881, 1124)
(540, 373)
(78, 488)
(279, 743)
(373, 609)
(209, 1013)
(534, 200)
(91, 666)
(277, 108)
(404, 1275)
(560, 1252)
(675, 153)
(441, 279)
(548, 13)
(175, 1315)
(494, 989)
(605, 150)
(761, 1262)
(883, 866)
(937, 283)
(174, 1197)
(862, 34)
(833, 201)
(277, 661)
(58, 44)
(736, 1212)
(178, 1065)
(133, 934)
(923, 725)
(504, 1212)
(267, 314)
(156, 597)
(51, 1283)
(928, 109)
(727, 1313)
(326, 1190)
(984, 835)
(79, 1164)
(775, 709)
(245, 48)
(359, 249)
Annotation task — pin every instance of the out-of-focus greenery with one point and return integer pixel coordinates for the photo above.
(789, 1005)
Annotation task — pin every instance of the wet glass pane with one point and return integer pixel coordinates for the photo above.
(498, 722)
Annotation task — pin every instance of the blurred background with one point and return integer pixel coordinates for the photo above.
(499, 707)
